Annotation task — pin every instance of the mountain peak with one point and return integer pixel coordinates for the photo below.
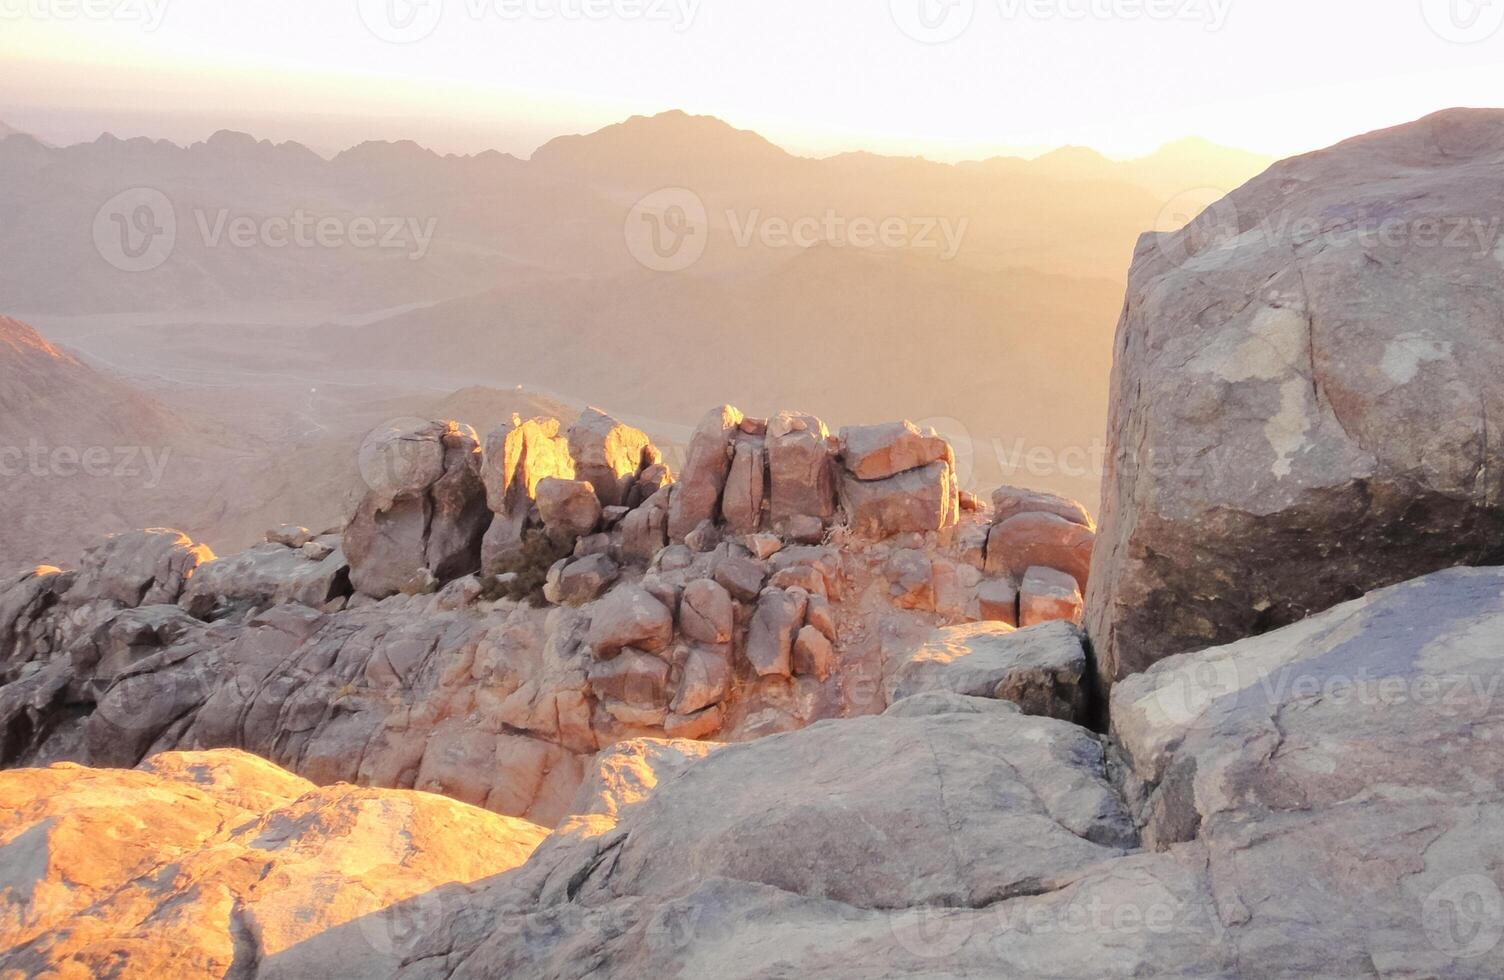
(674, 139)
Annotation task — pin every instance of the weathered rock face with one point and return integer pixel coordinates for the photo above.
(1035, 790)
(220, 864)
(1341, 773)
(423, 520)
(876, 452)
(1307, 394)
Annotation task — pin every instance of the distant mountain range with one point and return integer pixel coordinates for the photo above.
(980, 295)
(498, 221)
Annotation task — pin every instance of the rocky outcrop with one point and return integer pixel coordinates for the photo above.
(140, 568)
(219, 864)
(422, 521)
(1306, 394)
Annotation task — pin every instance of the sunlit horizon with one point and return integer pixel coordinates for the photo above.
(509, 76)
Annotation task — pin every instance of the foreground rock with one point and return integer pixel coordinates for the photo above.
(219, 864)
(1340, 776)
(1307, 394)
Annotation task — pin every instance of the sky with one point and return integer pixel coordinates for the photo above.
(947, 79)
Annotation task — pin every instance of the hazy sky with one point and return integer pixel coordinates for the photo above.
(945, 78)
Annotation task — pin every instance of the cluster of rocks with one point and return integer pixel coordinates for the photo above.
(440, 507)
(389, 655)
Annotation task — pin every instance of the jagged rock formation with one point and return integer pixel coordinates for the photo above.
(371, 659)
(1306, 394)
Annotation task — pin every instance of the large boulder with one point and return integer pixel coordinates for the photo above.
(917, 500)
(1040, 539)
(1340, 777)
(1009, 501)
(697, 496)
(801, 470)
(1307, 394)
(851, 811)
(607, 454)
(746, 487)
(876, 452)
(420, 524)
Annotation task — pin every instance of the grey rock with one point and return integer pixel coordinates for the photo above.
(1307, 394)
(1043, 670)
(770, 638)
(629, 616)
